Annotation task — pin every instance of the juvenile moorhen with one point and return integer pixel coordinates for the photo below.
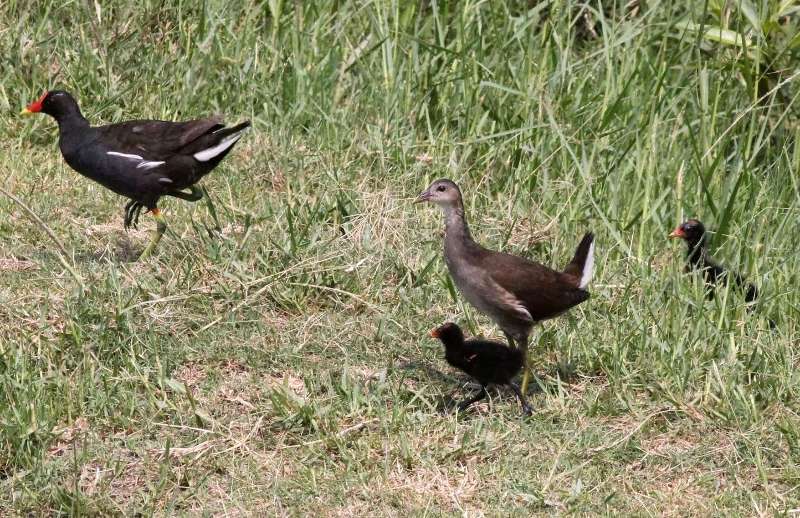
(514, 292)
(490, 363)
(142, 159)
(698, 258)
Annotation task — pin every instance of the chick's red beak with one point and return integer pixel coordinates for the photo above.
(434, 333)
(35, 106)
(678, 232)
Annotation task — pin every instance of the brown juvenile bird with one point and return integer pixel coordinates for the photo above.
(490, 363)
(514, 292)
(698, 258)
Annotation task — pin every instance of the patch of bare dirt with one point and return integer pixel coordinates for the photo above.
(67, 434)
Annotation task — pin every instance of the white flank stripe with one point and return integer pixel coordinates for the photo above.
(523, 311)
(148, 165)
(588, 266)
(207, 154)
(124, 155)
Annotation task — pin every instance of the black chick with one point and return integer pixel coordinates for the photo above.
(698, 258)
(487, 361)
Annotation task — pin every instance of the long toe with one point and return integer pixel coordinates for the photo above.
(128, 216)
(137, 211)
(527, 410)
(195, 194)
(464, 405)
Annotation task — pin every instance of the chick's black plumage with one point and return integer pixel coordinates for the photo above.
(489, 362)
(142, 160)
(698, 258)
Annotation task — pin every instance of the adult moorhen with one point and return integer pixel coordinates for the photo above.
(698, 258)
(142, 159)
(490, 363)
(514, 292)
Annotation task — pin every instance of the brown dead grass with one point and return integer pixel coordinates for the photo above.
(238, 383)
(16, 265)
(452, 492)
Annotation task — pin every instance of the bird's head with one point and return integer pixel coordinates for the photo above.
(443, 192)
(691, 231)
(449, 334)
(55, 103)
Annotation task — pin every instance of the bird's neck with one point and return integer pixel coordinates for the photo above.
(697, 251)
(69, 117)
(454, 352)
(453, 343)
(456, 230)
(72, 122)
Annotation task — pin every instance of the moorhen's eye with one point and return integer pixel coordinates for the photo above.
(441, 188)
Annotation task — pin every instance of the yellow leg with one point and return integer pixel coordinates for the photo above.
(525, 369)
(521, 342)
(161, 227)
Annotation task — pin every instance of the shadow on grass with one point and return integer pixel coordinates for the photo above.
(124, 251)
(562, 373)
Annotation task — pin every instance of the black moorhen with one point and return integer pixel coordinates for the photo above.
(142, 159)
(490, 363)
(698, 258)
(514, 292)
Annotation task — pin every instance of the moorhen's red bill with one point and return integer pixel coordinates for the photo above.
(698, 258)
(515, 292)
(143, 159)
(490, 363)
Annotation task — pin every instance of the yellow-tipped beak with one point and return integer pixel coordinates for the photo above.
(26, 111)
(434, 333)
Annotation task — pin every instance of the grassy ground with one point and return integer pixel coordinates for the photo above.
(273, 357)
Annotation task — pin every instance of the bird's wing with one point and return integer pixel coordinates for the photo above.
(155, 140)
(543, 292)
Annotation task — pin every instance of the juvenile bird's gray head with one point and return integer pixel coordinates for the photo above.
(443, 192)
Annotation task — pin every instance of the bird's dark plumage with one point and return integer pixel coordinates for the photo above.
(142, 160)
(698, 258)
(490, 363)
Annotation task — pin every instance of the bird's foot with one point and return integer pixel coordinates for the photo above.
(527, 410)
(195, 193)
(477, 397)
(463, 406)
(132, 211)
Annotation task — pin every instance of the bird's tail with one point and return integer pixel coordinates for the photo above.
(220, 142)
(750, 295)
(582, 264)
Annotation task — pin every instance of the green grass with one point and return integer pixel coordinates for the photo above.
(272, 356)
